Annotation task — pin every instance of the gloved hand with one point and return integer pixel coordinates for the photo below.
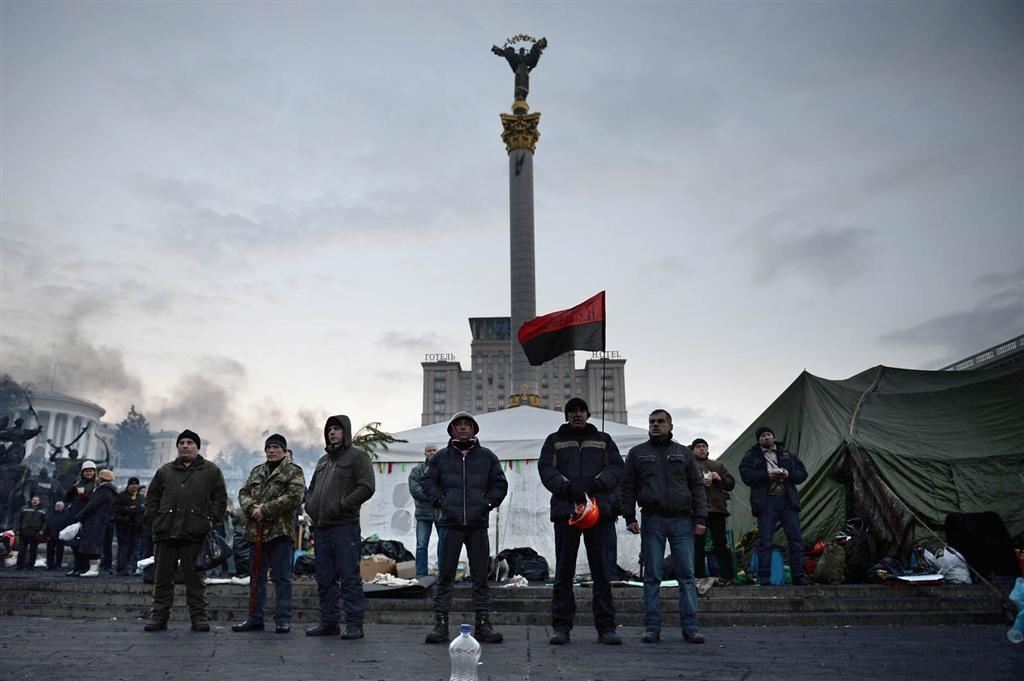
(577, 493)
(437, 503)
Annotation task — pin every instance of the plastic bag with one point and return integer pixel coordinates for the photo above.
(214, 551)
(70, 532)
(950, 564)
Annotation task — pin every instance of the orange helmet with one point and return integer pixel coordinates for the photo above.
(586, 514)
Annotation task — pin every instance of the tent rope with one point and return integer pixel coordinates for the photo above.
(860, 401)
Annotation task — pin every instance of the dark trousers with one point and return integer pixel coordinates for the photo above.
(107, 559)
(277, 556)
(720, 544)
(168, 554)
(337, 573)
(775, 511)
(563, 601)
(81, 562)
(28, 552)
(478, 549)
(54, 553)
(611, 551)
(127, 541)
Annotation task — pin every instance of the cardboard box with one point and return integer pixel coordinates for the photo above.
(370, 567)
(406, 569)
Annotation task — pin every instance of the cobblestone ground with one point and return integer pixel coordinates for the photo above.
(111, 650)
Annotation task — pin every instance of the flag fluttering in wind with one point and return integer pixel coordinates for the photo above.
(578, 328)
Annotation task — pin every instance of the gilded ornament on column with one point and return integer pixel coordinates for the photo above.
(520, 131)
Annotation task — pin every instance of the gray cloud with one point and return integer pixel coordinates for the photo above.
(997, 280)
(958, 334)
(410, 342)
(689, 422)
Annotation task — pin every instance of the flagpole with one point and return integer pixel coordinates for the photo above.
(604, 373)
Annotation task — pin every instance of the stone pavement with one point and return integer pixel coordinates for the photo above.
(113, 650)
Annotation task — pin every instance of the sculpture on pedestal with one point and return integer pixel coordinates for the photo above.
(521, 63)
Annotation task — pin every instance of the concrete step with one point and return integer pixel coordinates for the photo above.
(423, 619)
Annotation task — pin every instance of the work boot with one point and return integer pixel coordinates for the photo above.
(693, 637)
(559, 638)
(352, 631)
(439, 634)
(155, 625)
(483, 631)
(323, 630)
(651, 636)
(248, 625)
(609, 638)
(200, 625)
(94, 569)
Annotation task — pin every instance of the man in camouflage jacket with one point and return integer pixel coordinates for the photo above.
(270, 500)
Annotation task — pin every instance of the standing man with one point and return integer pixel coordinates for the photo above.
(186, 497)
(465, 482)
(31, 522)
(718, 482)
(426, 515)
(128, 517)
(578, 461)
(772, 473)
(269, 499)
(56, 521)
(342, 482)
(663, 478)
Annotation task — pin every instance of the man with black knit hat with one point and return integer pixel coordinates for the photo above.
(270, 499)
(718, 482)
(772, 473)
(465, 482)
(186, 497)
(579, 461)
(662, 477)
(342, 482)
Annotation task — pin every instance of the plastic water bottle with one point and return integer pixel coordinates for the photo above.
(1016, 633)
(465, 654)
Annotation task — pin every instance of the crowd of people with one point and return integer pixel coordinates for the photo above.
(667, 492)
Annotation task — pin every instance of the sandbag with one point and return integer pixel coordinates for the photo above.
(831, 567)
(950, 564)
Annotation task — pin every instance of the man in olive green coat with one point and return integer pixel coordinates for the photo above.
(270, 500)
(186, 497)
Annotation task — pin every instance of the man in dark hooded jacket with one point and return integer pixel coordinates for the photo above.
(465, 482)
(342, 482)
(577, 461)
(186, 497)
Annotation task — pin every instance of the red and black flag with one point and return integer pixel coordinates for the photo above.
(578, 328)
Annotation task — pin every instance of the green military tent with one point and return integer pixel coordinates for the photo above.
(900, 449)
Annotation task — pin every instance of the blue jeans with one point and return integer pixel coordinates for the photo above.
(423, 529)
(276, 555)
(337, 574)
(778, 510)
(655, 530)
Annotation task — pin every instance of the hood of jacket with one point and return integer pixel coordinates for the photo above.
(346, 425)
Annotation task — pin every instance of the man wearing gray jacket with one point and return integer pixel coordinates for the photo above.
(342, 482)
(426, 515)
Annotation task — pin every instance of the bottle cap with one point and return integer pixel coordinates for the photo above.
(465, 628)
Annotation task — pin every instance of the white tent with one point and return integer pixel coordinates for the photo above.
(516, 436)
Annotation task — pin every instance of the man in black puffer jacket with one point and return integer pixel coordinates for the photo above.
(577, 461)
(464, 481)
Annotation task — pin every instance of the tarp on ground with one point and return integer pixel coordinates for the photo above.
(516, 436)
(903, 447)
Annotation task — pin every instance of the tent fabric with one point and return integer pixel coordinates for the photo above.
(516, 436)
(926, 443)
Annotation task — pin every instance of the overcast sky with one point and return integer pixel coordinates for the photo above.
(243, 216)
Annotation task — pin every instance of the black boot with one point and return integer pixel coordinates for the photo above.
(483, 631)
(439, 634)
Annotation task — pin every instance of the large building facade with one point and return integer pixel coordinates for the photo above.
(487, 385)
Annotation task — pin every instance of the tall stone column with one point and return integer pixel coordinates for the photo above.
(520, 134)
